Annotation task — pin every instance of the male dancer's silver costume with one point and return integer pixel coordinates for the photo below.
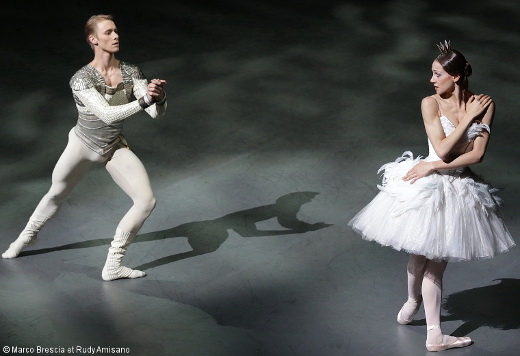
(97, 137)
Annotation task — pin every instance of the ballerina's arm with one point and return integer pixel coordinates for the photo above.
(442, 144)
(473, 156)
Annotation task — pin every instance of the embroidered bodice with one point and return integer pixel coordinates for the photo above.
(102, 109)
(473, 131)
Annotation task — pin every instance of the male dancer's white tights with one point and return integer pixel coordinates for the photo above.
(425, 279)
(126, 170)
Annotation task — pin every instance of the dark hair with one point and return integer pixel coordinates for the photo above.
(454, 63)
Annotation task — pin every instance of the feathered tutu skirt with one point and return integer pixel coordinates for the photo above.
(449, 215)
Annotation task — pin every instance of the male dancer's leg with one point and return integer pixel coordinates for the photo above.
(72, 165)
(129, 173)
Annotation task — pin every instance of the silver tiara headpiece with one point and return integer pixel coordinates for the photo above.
(444, 47)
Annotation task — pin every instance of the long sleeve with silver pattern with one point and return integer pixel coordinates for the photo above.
(156, 109)
(94, 100)
(90, 102)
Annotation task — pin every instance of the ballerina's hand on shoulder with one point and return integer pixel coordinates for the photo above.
(420, 170)
(477, 105)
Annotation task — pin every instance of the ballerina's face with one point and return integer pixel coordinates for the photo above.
(106, 36)
(441, 80)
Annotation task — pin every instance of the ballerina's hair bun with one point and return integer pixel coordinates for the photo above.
(468, 70)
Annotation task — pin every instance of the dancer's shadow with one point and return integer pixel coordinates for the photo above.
(207, 236)
(496, 306)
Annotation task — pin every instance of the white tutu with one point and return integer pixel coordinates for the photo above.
(450, 215)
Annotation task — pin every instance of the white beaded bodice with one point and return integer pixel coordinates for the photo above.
(448, 127)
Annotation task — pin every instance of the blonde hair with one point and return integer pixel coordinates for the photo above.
(90, 26)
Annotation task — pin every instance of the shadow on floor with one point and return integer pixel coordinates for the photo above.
(207, 236)
(496, 306)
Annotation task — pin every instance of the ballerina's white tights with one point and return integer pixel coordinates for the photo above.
(125, 169)
(425, 278)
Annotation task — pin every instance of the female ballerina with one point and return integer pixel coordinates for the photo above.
(104, 91)
(436, 208)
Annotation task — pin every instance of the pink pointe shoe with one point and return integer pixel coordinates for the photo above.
(407, 320)
(448, 342)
